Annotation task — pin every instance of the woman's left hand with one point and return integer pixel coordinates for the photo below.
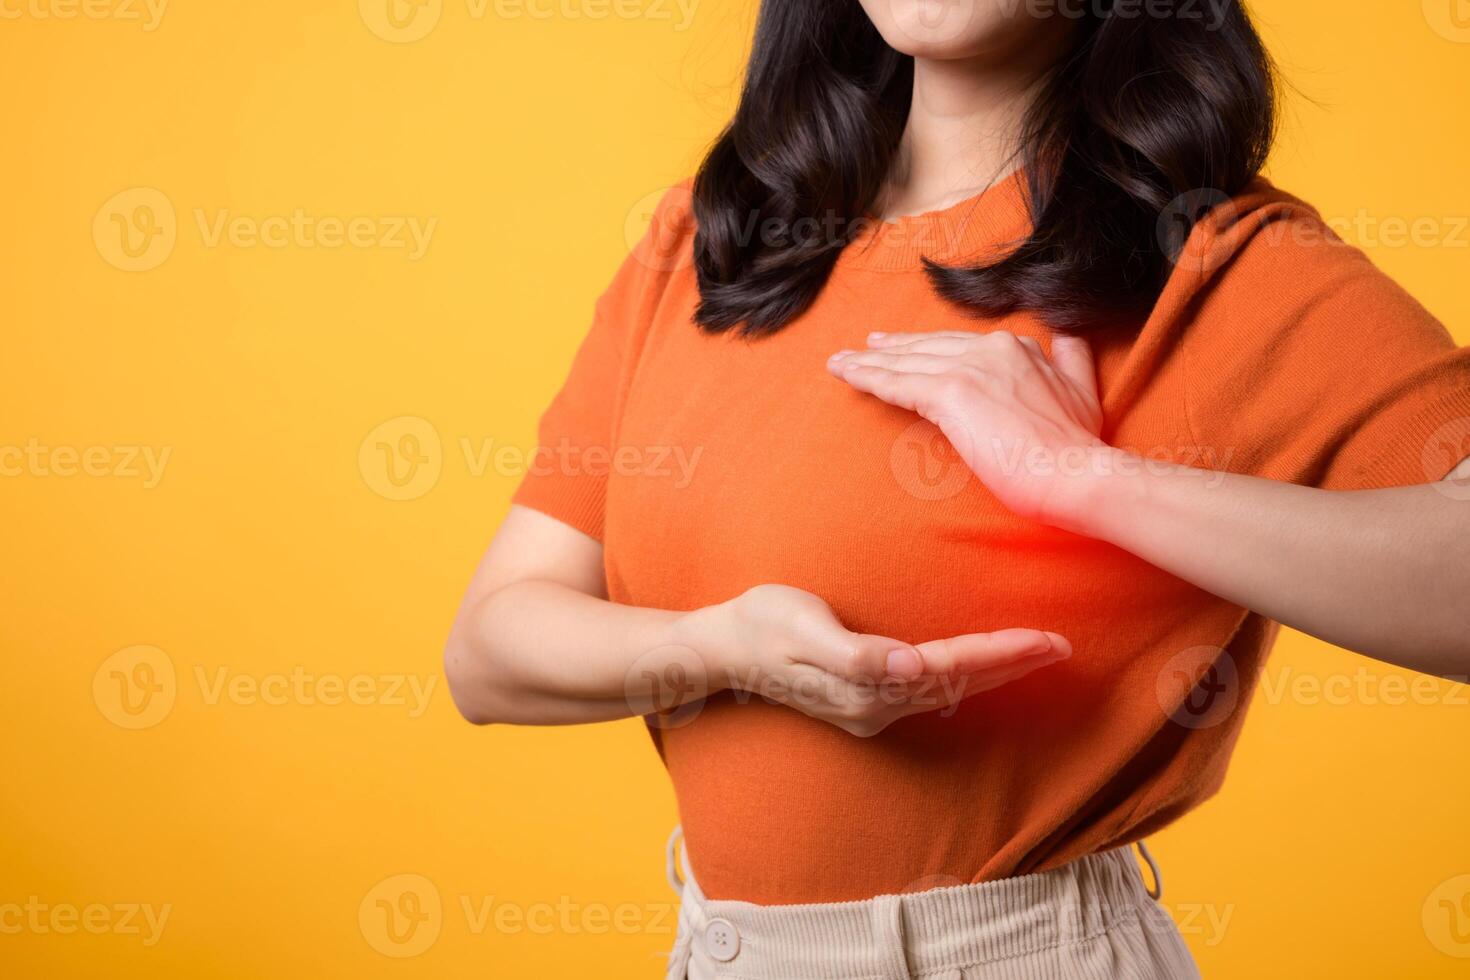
(1021, 423)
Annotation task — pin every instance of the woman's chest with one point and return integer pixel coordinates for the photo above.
(745, 462)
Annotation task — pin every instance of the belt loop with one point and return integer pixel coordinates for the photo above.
(887, 921)
(671, 860)
(1156, 890)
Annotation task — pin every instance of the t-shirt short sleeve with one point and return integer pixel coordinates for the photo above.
(576, 438)
(1307, 363)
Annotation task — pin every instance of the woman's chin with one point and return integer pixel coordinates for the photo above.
(950, 30)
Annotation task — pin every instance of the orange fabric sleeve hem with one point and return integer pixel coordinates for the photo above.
(1408, 435)
(576, 502)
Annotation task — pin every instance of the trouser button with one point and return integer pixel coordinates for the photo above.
(721, 940)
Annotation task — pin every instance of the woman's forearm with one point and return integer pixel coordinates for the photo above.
(537, 652)
(1382, 572)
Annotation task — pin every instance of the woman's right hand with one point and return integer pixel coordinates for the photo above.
(788, 646)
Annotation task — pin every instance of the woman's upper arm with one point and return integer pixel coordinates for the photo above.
(532, 546)
(1460, 476)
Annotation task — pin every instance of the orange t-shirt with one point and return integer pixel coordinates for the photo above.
(710, 464)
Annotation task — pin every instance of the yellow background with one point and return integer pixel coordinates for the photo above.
(532, 132)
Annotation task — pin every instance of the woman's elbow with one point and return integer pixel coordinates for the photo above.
(471, 680)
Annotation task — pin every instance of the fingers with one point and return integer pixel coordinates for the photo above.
(880, 339)
(951, 691)
(980, 662)
(857, 656)
(916, 363)
(1072, 357)
(982, 651)
(989, 680)
(951, 344)
(898, 388)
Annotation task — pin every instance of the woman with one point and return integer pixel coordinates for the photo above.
(1018, 409)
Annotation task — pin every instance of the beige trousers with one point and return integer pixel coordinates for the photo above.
(1092, 919)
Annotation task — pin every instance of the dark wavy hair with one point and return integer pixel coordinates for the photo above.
(1143, 115)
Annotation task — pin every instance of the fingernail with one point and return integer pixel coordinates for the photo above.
(876, 334)
(1038, 646)
(904, 663)
(1061, 647)
(840, 354)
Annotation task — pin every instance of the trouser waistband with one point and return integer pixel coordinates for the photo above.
(921, 933)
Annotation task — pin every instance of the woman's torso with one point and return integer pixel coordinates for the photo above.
(776, 473)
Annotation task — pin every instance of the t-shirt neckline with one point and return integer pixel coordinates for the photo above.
(980, 226)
